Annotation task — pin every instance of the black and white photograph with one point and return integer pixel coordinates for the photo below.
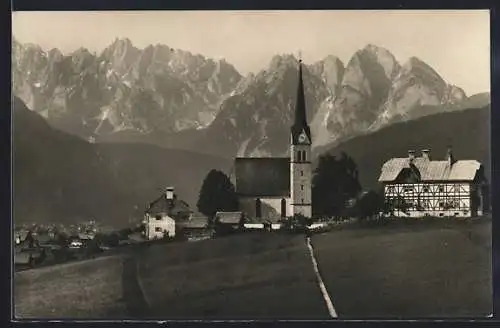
(251, 165)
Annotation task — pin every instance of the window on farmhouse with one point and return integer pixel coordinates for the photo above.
(441, 188)
(408, 189)
(301, 173)
(301, 187)
(158, 217)
(158, 229)
(456, 188)
(425, 188)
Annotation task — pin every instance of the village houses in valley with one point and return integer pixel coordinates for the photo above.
(420, 186)
(274, 187)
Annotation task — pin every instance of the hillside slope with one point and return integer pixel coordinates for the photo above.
(58, 177)
(467, 131)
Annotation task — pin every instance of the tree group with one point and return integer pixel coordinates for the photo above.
(217, 193)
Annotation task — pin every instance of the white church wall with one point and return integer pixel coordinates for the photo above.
(270, 206)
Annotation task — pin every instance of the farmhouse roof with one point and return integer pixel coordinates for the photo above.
(462, 170)
(262, 176)
(229, 217)
(195, 222)
(171, 207)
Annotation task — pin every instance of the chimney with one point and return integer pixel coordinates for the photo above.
(426, 154)
(411, 155)
(169, 192)
(450, 157)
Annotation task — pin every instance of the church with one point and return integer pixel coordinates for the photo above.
(276, 187)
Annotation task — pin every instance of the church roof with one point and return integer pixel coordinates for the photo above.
(262, 177)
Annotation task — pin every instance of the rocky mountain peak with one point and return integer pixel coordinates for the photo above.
(384, 58)
(55, 54)
(280, 63)
(416, 72)
(416, 86)
(331, 70)
(120, 55)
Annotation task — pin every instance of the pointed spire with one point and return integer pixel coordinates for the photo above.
(300, 104)
(300, 119)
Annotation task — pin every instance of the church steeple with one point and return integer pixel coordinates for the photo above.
(300, 156)
(300, 120)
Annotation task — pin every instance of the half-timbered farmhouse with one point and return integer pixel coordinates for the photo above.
(419, 186)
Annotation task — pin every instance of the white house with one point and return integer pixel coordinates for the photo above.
(160, 226)
(419, 186)
(160, 216)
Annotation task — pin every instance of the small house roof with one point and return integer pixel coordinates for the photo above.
(462, 170)
(229, 217)
(171, 207)
(195, 222)
(86, 236)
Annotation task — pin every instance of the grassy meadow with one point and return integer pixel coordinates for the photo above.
(419, 269)
(432, 269)
(87, 289)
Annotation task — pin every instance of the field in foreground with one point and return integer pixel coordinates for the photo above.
(255, 276)
(87, 289)
(408, 272)
(391, 271)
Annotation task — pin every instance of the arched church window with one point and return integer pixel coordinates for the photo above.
(283, 208)
(304, 156)
(301, 155)
(258, 208)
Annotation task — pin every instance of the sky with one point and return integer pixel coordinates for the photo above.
(455, 43)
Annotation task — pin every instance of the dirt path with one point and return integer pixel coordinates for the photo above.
(136, 305)
(326, 296)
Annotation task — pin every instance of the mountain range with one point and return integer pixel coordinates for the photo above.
(124, 88)
(175, 99)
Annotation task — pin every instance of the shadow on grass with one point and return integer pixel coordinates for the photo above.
(136, 305)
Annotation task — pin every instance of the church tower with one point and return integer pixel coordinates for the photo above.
(300, 156)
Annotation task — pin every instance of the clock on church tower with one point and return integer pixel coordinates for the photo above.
(300, 153)
(303, 139)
